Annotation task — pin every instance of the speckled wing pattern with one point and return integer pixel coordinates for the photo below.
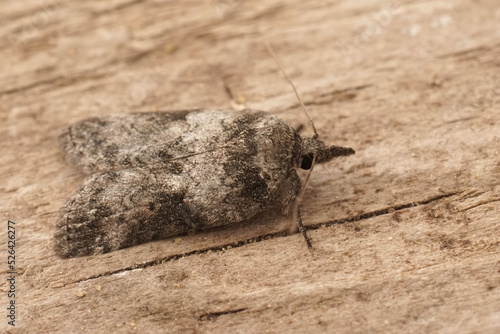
(158, 174)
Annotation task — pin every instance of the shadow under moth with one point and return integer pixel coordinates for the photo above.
(158, 174)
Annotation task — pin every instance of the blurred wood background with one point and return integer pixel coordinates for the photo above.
(406, 233)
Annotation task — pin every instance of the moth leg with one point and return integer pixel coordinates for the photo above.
(289, 191)
(302, 229)
(300, 128)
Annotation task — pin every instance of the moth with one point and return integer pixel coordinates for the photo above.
(154, 175)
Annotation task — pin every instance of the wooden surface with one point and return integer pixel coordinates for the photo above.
(406, 233)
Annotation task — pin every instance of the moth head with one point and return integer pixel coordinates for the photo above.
(315, 150)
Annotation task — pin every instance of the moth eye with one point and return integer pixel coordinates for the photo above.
(307, 161)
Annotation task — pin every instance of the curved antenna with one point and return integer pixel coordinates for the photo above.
(315, 136)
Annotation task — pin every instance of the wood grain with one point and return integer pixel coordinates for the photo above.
(406, 233)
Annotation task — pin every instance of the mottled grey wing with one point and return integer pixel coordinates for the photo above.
(142, 139)
(115, 210)
(231, 166)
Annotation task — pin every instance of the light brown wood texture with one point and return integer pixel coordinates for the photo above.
(406, 233)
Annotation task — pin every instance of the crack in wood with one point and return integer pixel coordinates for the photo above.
(214, 315)
(59, 81)
(473, 193)
(285, 233)
(479, 204)
(329, 97)
(381, 212)
(62, 80)
(119, 7)
(227, 89)
(345, 90)
(481, 49)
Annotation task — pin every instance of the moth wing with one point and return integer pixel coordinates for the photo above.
(116, 142)
(114, 210)
(241, 164)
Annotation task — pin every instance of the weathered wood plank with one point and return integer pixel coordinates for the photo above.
(412, 240)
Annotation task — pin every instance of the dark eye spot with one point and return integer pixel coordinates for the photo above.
(307, 161)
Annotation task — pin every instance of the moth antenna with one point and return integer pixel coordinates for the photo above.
(296, 209)
(315, 136)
